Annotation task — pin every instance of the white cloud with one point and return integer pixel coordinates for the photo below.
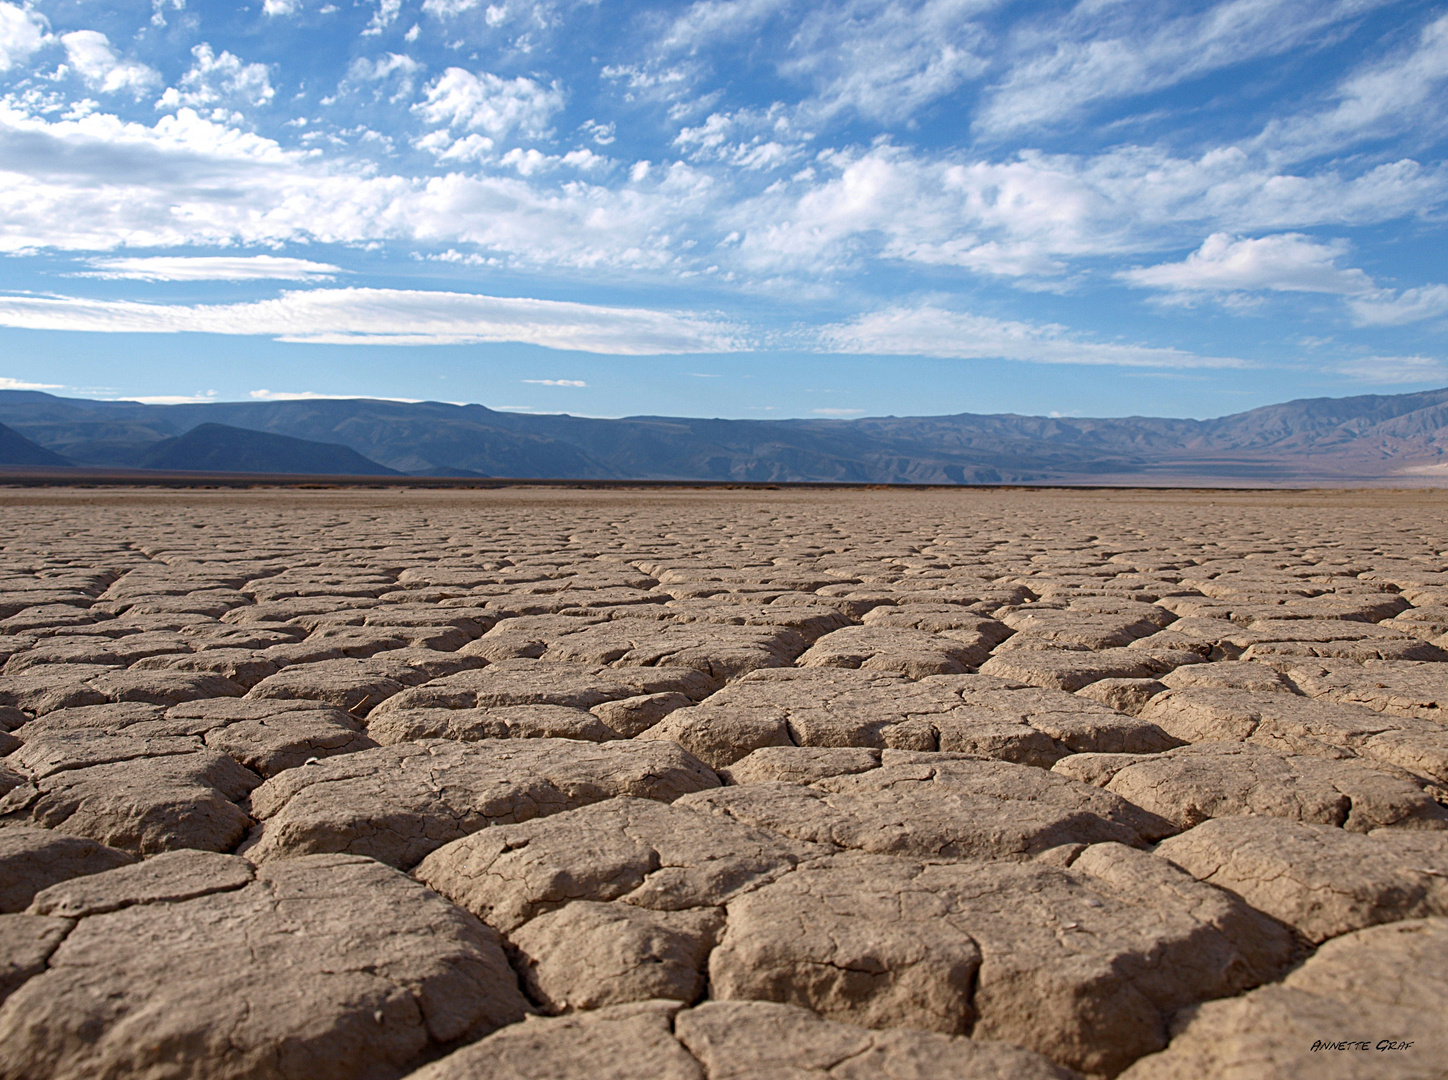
(395, 68)
(444, 147)
(444, 9)
(211, 268)
(602, 133)
(95, 182)
(837, 412)
(158, 10)
(1388, 308)
(1029, 213)
(389, 317)
(1288, 262)
(1396, 369)
(1103, 51)
(309, 395)
(90, 53)
(1403, 92)
(7, 383)
(280, 7)
(527, 162)
(216, 79)
(375, 70)
(383, 17)
(747, 139)
(535, 14)
(665, 82)
(887, 59)
(881, 59)
(22, 33)
(556, 382)
(584, 159)
(452, 255)
(707, 22)
(91, 181)
(487, 102)
(931, 330)
(174, 399)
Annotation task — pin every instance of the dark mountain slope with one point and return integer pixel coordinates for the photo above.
(90, 433)
(220, 448)
(16, 449)
(426, 437)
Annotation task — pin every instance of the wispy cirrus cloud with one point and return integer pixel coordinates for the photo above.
(1381, 99)
(390, 317)
(887, 60)
(1401, 370)
(210, 268)
(1389, 308)
(884, 60)
(929, 329)
(1059, 68)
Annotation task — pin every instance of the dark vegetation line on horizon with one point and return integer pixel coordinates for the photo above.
(13, 477)
(1372, 438)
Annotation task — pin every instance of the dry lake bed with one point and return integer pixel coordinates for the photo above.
(542, 784)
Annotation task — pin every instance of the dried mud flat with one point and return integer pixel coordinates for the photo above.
(535, 784)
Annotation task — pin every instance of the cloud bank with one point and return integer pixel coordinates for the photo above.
(389, 317)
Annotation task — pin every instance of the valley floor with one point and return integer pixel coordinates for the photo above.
(655, 784)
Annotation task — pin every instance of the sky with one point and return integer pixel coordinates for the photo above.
(740, 208)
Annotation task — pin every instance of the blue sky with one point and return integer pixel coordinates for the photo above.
(748, 208)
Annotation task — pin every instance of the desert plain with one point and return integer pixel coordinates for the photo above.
(545, 784)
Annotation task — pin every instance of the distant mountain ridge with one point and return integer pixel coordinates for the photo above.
(1372, 438)
(221, 448)
(16, 449)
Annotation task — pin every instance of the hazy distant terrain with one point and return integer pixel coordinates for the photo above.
(1370, 438)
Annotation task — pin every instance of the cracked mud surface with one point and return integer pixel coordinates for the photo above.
(723, 785)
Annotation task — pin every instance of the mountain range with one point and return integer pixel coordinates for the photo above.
(1399, 438)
